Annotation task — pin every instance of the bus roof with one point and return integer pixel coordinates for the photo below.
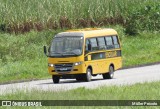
(88, 32)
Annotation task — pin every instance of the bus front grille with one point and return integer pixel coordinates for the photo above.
(67, 67)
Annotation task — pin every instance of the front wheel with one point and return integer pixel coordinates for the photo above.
(55, 79)
(88, 75)
(110, 74)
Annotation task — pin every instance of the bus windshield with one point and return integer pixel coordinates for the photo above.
(66, 46)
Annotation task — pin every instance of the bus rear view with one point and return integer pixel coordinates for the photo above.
(73, 55)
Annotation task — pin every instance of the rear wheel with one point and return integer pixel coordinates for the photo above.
(110, 74)
(55, 79)
(88, 75)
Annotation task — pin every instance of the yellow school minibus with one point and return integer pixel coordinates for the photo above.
(84, 53)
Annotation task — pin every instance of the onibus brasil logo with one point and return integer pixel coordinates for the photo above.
(21, 103)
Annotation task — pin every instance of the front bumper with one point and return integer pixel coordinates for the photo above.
(79, 69)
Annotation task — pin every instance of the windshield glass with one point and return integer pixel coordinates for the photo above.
(66, 46)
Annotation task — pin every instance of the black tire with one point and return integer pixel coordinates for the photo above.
(55, 79)
(110, 74)
(88, 75)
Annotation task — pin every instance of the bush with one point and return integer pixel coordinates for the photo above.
(146, 18)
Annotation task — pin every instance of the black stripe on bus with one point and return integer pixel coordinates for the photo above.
(104, 55)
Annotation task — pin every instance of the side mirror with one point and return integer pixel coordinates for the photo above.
(49, 49)
(89, 47)
(45, 50)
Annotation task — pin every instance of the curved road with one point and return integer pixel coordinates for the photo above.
(122, 77)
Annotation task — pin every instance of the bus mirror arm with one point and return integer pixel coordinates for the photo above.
(45, 50)
(49, 49)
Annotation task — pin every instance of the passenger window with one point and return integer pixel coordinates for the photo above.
(115, 41)
(101, 43)
(109, 42)
(94, 43)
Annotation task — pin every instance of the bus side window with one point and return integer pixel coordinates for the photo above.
(94, 43)
(115, 41)
(109, 42)
(101, 43)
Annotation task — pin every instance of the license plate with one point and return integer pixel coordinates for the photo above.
(62, 69)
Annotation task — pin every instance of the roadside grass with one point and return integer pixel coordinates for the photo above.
(142, 49)
(22, 57)
(140, 91)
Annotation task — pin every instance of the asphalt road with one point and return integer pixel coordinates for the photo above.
(122, 77)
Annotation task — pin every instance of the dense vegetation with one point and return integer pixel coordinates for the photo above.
(21, 16)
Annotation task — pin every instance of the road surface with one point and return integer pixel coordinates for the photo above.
(122, 77)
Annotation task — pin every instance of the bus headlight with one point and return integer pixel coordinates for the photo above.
(78, 63)
(50, 65)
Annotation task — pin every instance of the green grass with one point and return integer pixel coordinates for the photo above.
(142, 49)
(135, 92)
(145, 91)
(22, 57)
